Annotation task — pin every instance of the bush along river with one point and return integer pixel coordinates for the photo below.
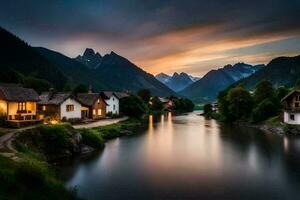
(189, 157)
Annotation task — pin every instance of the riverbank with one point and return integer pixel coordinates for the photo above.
(29, 172)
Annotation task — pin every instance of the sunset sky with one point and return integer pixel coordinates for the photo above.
(160, 35)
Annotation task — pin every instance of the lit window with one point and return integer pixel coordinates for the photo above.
(69, 108)
(21, 106)
(98, 101)
(94, 112)
(43, 108)
(292, 117)
(99, 112)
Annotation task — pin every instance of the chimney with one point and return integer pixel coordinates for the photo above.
(51, 93)
(90, 89)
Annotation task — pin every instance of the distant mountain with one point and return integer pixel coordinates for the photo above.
(124, 75)
(76, 72)
(207, 88)
(89, 58)
(113, 73)
(177, 82)
(162, 77)
(280, 71)
(19, 61)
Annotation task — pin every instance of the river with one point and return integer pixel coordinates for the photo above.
(188, 157)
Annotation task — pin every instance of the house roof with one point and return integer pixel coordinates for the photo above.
(109, 94)
(163, 100)
(10, 92)
(121, 95)
(53, 99)
(89, 99)
(290, 94)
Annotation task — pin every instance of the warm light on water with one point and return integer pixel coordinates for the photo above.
(188, 157)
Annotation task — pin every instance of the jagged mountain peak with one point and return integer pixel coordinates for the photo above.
(177, 81)
(90, 58)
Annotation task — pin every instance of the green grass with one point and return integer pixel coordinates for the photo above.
(119, 129)
(2, 133)
(33, 177)
(30, 179)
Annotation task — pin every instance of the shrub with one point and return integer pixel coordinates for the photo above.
(207, 109)
(92, 138)
(57, 139)
(264, 110)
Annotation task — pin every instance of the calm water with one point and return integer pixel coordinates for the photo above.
(188, 157)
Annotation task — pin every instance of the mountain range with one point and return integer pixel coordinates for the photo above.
(176, 82)
(207, 88)
(41, 68)
(281, 71)
(114, 72)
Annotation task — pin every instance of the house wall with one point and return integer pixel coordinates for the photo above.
(291, 102)
(3, 107)
(76, 114)
(13, 108)
(99, 109)
(113, 105)
(52, 111)
(287, 118)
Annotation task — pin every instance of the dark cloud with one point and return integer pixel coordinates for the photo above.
(126, 23)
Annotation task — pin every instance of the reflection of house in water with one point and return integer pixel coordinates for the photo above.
(291, 147)
(168, 104)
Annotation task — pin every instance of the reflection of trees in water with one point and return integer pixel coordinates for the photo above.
(243, 138)
(69, 166)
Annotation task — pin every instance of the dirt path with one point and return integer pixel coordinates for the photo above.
(6, 141)
(103, 122)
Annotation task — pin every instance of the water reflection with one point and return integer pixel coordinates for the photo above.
(188, 157)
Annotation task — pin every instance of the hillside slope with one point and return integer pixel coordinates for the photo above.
(18, 56)
(280, 71)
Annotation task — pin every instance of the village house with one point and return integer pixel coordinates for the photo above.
(93, 105)
(17, 103)
(168, 104)
(291, 106)
(59, 106)
(112, 101)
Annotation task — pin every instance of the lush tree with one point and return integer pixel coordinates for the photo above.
(145, 94)
(223, 105)
(207, 109)
(81, 88)
(133, 106)
(297, 84)
(264, 110)
(239, 103)
(263, 90)
(155, 104)
(182, 104)
(281, 92)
